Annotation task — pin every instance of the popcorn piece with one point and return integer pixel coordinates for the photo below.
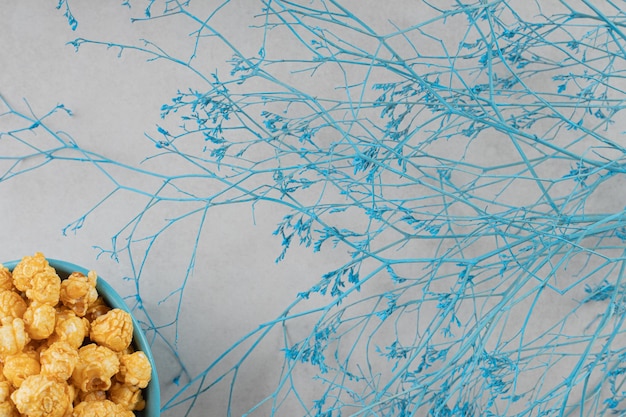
(39, 320)
(11, 304)
(59, 360)
(135, 369)
(96, 309)
(20, 366)
(127, 396)
(113, 330)
(95, 368)
(6, 279)
(79, 291)
(103, 408)
(70, 328)
(39, 396)
(45, 288)
(13, 336)
(27, 268)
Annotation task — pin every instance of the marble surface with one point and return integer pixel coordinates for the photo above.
(77, 210)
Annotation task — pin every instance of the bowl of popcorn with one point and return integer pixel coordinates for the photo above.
(69, 345)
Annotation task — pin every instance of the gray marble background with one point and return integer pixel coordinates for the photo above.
(115, 101)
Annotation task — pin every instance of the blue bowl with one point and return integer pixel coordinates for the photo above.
(151, 393)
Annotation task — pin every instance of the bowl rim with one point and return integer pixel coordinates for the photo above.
(151, 393)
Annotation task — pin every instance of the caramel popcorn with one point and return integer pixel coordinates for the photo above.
(13, 336)
(63, 351)
(135, 369)
(39, 320)
(27, 268)
(45, 288)
(6, 279)
(59, 360)
(37, 279)
(127, 396)
(96, 309)
(70, 328)
(104, 408)
(11, 304)
(113, 330)
(20, 366)
(79, 291)
(40, 396)
(95, 368)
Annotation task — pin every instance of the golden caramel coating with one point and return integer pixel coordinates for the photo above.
(90, 396)
(113, 330)
(40, 396)
(130, 349)
(127, 396)
(11, 304)
(135, 369)
(96, 309)
(6, 278)
(70, 328)
(27, 268)
(5, 391)
(78, 292)
(40, 320)
(13, 336)
(59, 360)
(7, 409)
(95, 368)
(20, 366)
(34, 276)
(104, 408)
(45, 288)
